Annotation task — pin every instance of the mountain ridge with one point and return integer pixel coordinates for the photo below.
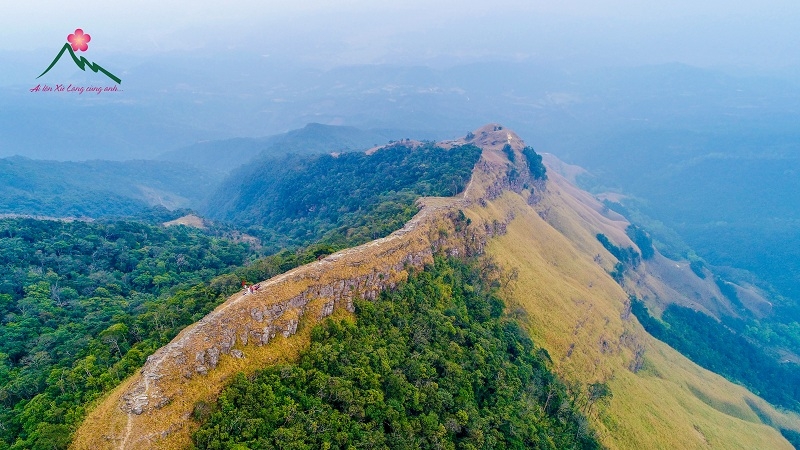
(542, 231)
(223, 156)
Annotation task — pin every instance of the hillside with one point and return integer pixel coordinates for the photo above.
(83, 303)
(556, 281)
(223, 156)
(738, 221)
(344, 199)
(98, 188)
(661, 399)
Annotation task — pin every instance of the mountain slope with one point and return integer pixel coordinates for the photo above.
(98, 188)
(153, 405)
(223, 156)
(581, 317)
(543, 233)
(351, 197)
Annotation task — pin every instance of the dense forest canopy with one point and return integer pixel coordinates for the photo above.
(99, 188)
(434, 364)
(352, 197)
(84, 303)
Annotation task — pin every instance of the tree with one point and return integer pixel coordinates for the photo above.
(535, 165)
(642, 240)
(115, 334)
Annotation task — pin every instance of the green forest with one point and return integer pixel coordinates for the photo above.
(433, 364)
(349, 198)
(84, 303)
(99, 188)
(720, 349)
(772, 272)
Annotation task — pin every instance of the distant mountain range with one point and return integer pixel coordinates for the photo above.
(180, 179)
(222, 156)
(98, 188)
(165, 106)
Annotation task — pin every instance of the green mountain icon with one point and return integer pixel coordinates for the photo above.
(81, 62)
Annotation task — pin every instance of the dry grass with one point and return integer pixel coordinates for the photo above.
(106, 425)
(565, 298)
(658, 281)
(190, 220)
(574, 310)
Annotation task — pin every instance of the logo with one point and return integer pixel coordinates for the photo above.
(79, 42)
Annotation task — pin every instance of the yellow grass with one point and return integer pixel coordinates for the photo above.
(571, 306)
(171, 374)
(571, 302)
(107, 424)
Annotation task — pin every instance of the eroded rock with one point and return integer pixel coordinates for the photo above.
(213, 356)
(291, 328)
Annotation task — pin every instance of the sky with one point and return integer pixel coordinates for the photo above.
(329, 33)
(210, 70)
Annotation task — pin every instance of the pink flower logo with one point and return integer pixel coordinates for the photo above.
(79, 41)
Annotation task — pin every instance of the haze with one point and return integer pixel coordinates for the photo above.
(663, 101)
(708, 33)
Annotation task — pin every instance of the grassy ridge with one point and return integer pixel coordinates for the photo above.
(85, 303)
(577, 312)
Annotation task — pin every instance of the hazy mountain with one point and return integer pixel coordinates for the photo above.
(347, 198)
(168, 104)
(225, 155)
(641, 130)
(98, 188)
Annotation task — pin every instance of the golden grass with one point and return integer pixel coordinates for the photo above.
(657, 281)
(170, 374)
(574, 310)
(106, 426)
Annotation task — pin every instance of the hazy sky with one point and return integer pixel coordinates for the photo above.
(712, 32)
